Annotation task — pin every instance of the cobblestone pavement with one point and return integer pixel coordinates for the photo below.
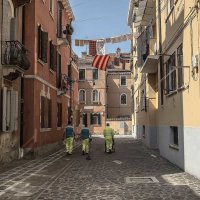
(117, 176)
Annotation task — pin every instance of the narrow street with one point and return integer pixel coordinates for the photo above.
(105, 176)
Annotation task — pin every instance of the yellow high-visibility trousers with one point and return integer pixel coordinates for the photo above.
(69, 144)
(85, 145)
(109, 143)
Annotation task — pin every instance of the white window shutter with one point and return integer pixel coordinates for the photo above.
(4, 106)
(16, 110)
(12, 120)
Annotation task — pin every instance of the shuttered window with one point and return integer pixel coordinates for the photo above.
(46, 106)
(42, 44)
(53, 56)
(95, 119)
(59, 114)
(9, 110)
(59, 73)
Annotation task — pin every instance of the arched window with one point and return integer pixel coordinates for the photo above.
(95, 96)
(123, 99)
(82, 97)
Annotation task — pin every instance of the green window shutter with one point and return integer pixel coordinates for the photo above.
(44, 46)
(39, 42)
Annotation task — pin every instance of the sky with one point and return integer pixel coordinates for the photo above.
(96, 19)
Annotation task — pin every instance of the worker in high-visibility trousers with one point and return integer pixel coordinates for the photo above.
(69, 138)
(85, 136)
(109, 138)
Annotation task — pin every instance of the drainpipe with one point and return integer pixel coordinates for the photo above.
(1, 73)
(160, 50)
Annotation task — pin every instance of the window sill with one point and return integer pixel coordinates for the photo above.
(81, 80)
(170, 13)
(82, 102)
(41, 62)
(52, 71)
(51, 14)
(174, 146)
(59, 128)
(177, 90)
(96, 125)
(45, 129)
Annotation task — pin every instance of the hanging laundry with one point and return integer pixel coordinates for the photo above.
(101, 62)
(79, 42)
(92, 48)
(101, 50)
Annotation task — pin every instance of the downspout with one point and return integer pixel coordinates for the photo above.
(22, 83)
(160, 51)
(1, 78)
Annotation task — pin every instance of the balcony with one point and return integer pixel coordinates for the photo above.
(19, 3)
(14, 58)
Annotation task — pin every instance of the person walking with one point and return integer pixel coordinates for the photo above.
(69, 138)
(85, 136)
(109, 137)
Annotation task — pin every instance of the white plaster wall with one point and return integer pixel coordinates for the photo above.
(173, 155)
(192, 151)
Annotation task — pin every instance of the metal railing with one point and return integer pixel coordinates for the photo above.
(14, 53)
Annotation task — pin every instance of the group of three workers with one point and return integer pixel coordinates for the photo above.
(86, 138)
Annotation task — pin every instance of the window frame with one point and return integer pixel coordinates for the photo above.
(83, 79)
(180, 68)
(51, 7)
(59, 115)
(96, 97)
(121, 98)
(121, 77)
(174, 137)
(84, 99)
(96, 116)
(93, 74)
(45, 115)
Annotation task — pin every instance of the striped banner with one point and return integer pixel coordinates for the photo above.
(101, 62)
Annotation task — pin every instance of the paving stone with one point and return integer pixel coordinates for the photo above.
(58, 176)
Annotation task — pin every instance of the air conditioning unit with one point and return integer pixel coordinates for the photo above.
(195, 60)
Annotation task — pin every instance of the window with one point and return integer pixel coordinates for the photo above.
(143, 100)
(85, 119)
(51, 6)
(95, 96)
(59, 20)
(174, 135)
(81, 74)
(9, 110)
(171, 74)
(170, 6)
(180, 66)
(59, 73)
(59, 114)
(95, 74)
(53, 56)
(82, 97)
(123, 80)
(123, 99)
(42, 44)
(95, 119)
(45, 112)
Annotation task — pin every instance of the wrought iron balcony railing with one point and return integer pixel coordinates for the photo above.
(22, 2)
(15, 54)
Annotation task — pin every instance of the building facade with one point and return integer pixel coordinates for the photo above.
(14, 63)
(47, 86)
(166, 75)
(118, 80)
(92, 95)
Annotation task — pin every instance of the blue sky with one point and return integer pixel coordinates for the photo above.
(96, 19)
